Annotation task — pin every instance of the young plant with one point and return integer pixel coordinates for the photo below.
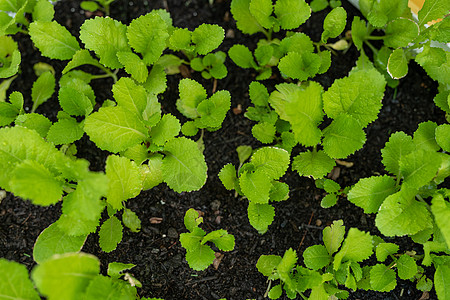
(404, 37)
(9, 57)
(69, 276)
(258, 181)
(202, 41)
(333, 190)
(337, 263)
(198, 255)
(294, 55)
(206, 113)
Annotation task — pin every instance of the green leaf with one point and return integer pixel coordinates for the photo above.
(275, 292)
(244, 152)
(221, 238)
(350, 95)
(288, 261)
(260, 216)
(152, 172)
(316, 257)
(53, 240)
(133, 65)
(34, 121)
(360, 32)
(357, 247)
(147, 35)
(298, 42)
(43, 88)
(180, 40)
(131, 220)
(264, 132)
(299, 66)
(262, 11)
(419, 167)
(110, 234)
(255, 186)
(32, 180)
(124, 180)
(207, 37)
(343, 137)
(191, 94)
(192, 219)
(436, 62)
(102, 287)
(166, 129)
(406, 267)
(292, 13)
(130, 95)
(8, 113)
(400, 214)
(156, 81)
(329, 201)
(398, 146)
(441, 211)
(302, 108)
(443, 136)
(228, 176)
(89, 5)
(213, 111)
(115, 129)
(279, 191)
(442, 281)
(10, 57)
(333, 236)
(53, 40)
(115, 269)
(432, 10)
(15, 283)
(424, 136)
(112, 33)
(267, 263)
(400, 32)
(334, 23)
(315, 164)
(242, 56)
(200, 258)
(382, 278)
(258, 94)
(73, 101)
(65, 276)
(65, 131)
(397, 66)
(383, 250)
(369, 193)
(245, 21)
(81, 57)
(184, 167)
(271, 161)
(43, 11)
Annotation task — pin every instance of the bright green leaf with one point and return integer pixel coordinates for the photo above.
(315, 164)
(110, 234)
(260, 216)
(15, 283)
(369, 193)
(382, 278)
(53, 40)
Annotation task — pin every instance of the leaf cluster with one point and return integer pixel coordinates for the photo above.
(69, 276)
(337, 264)
(258, 181)
(198, 255)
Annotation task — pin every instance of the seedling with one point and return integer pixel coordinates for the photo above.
(258, 181)
(336, 264)
(198, 255)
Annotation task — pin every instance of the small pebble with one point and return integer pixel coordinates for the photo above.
(318, 222)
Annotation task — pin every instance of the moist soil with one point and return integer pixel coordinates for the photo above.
(298, 224)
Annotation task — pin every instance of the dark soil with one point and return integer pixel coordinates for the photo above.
(156, 251)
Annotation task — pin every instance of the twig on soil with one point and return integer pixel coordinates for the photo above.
(306, 231)
(202, 280)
